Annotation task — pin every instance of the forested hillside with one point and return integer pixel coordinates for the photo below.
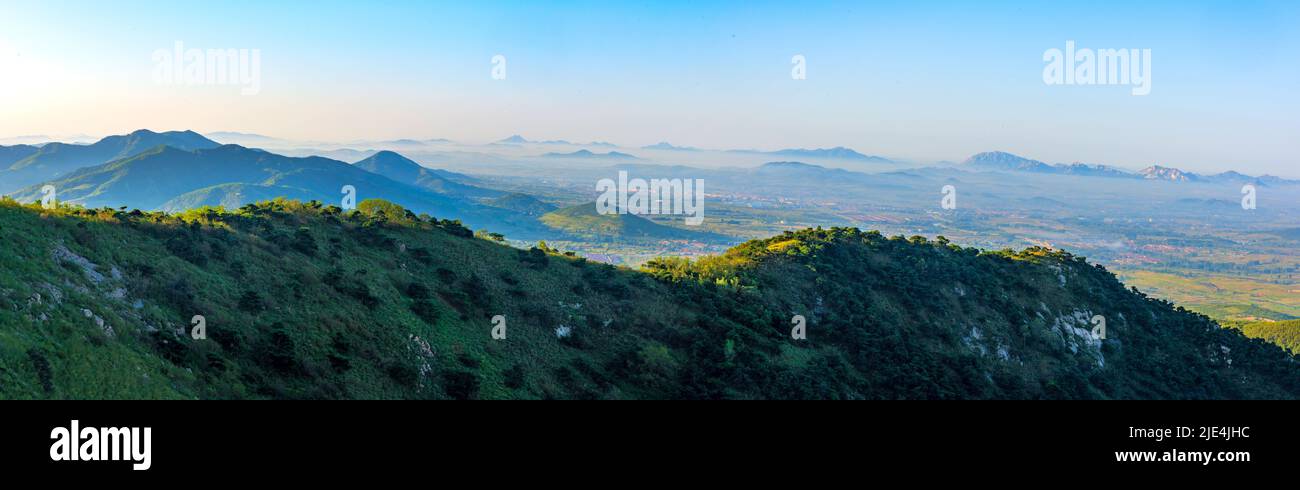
(1284, 333)
(301, 300)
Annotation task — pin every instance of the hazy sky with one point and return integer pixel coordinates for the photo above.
(920, 80)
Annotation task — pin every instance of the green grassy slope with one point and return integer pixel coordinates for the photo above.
(1285, 334)
(304, 301)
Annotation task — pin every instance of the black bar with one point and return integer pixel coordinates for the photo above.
(235, 440)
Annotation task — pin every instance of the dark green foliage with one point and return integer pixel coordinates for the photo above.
(427, 310)
(423, 255)
(252, 302)
(279, 352)
(42, 367)
(534, 258)
(417, 290)
(1285, 333)
(304, 242)
(515, 377)
(461, 385)
(887, 318)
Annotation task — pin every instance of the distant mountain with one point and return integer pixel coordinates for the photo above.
(998, 160)
(1230, 175)
(810, 177)
(789, 166)
(518, 139)
(171, 179)
(513, 140)
(11, 154)
(1091, 170)
(234, 196)
(584, 220)
(837, 153)
(522, 203)
(406, 171)
(240, 138)
(1233, 177)
(802, 170)
(1270, 179)
(43, 139)
(1156, 172)
(664, 145)
(402, 142)
(56, 160)
(26, 139)
(588, 154)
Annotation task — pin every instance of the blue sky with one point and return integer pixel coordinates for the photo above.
(920, 80)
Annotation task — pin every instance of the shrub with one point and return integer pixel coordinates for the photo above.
(427, 310)
(252, 302)
(403, 374)
(461, 385)
(423, 255)
(514, 377)
(417, 290)
(304, 242)
(42, 367)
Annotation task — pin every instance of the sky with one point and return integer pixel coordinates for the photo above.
(919, 80)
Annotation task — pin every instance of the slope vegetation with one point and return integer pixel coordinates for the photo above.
(301, 300)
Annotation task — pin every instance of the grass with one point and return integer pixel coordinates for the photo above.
(1223, 297)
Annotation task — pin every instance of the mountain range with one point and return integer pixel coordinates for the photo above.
(589, 155)
(173, 179)
(836, 153)
(664, 145)
(998, 160)
(27, 165)
(179, 170)
(401, 169)
(520, 140)
(183, 170)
